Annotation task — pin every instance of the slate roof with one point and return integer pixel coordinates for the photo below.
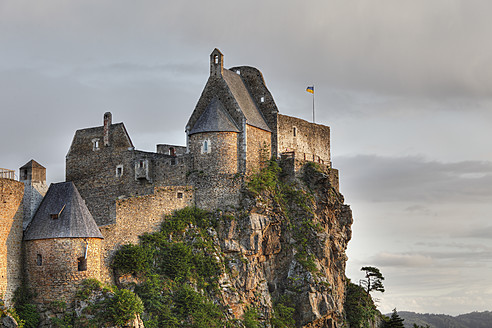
(32, 164)
(74, 220)
(214, 119)
(244, 100)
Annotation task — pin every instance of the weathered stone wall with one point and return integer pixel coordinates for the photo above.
(11, 215)
(52, 266)
(34, 192)
(310, 141)
(221, 156)
(137, 215)
(104, 174)
(258, 148)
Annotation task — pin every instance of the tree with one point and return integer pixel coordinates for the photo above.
(373, 280)
(395, 321)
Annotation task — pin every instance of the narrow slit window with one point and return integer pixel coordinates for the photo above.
(119, 171)
(295, 131)
(180, 195)
(82, 264)
(216, 59)
(205, 146)
(39, 260)
(262, 99)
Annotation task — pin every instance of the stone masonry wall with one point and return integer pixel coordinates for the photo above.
(258, 148)
(34, 192)
(311, 141)
(222, 154)
(52, 266)
(11, 215)
(137, 215)
(110, 172)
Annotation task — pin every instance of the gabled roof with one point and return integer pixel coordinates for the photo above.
(214, 119)
(244, 100)
(74, 219)
(32, 164)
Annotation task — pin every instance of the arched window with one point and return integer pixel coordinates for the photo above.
(205, 146)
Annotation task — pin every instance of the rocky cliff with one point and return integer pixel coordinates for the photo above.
(278, 260)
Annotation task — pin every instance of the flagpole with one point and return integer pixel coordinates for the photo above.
(313, 104)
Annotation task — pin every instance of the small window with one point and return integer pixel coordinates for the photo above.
(238, 72)
(295, 131)
(95, 144)
(82, 264)
(180, 195)
(262, 99)
(54, 216)
(119, 171)
(206, 146)
(172, 151)
(39, 260)
(141, 164)
(216, 59)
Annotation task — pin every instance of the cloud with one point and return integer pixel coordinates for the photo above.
(414, 179)
(401, 260)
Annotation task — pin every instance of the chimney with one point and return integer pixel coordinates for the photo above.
(107, 124)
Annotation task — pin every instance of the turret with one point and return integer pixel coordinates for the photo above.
(33, 175)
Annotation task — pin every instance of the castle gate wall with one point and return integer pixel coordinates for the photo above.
(11, 216)
(137, 215)
(310, 141)
(52, 266)
(258, 148)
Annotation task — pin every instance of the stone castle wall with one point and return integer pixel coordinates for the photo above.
(107, 173)
(137, 215)
(310, 142)
(52, 266)
(11, 216)
(258, 148)
(34, 192)
(221, 155)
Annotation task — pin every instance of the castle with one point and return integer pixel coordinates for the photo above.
(55, 237)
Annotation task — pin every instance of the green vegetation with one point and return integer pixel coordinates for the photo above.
(395, 321)
(179, 271)
(250, 318)
(359, 307)
(283, 313)
(26, 311)
(124, 307)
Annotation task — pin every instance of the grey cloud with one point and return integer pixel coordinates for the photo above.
(401, 260)
(414, 179)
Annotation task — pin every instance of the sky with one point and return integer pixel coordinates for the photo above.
(406, 87)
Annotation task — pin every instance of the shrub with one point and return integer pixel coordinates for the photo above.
(124, 307)
(132, 259)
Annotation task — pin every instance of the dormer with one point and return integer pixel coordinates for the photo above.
(216, 63)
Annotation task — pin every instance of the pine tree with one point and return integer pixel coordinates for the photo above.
(395, 321)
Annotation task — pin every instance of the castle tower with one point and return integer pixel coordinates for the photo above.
(11, 214)
(33, 175)
(62, 245)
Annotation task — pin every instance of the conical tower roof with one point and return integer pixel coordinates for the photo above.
(214, 119)
(62, 214)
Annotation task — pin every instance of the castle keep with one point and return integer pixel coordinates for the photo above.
(113, 192)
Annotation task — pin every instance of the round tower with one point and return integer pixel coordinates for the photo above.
(62, 245)
(11, 215)
(213, 141)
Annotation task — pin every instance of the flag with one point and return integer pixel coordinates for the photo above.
(310, 89)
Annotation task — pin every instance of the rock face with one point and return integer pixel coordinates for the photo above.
(287, 246)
